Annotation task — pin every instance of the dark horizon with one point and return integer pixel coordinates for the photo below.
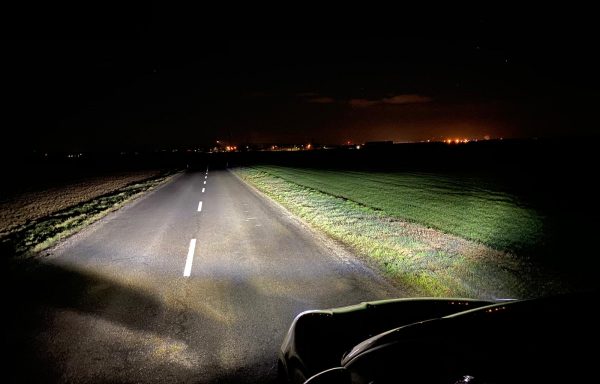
(153, 94)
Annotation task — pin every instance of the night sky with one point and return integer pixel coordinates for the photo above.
(154, 92)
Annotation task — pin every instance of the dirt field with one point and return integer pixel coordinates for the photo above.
(19, 209)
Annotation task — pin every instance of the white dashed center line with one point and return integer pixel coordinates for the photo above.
(203, 190)
(206, 177)
(204, 181)
(190, 258)
(200, 207)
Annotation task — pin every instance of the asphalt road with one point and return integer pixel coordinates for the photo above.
(112, 304)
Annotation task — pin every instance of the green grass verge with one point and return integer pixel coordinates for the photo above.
(468, 207)
(35, 236)
(377, 215)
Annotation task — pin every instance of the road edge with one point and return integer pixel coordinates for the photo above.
(337, 249)
(90, 228)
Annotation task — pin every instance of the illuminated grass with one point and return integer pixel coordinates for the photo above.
(382, 217)
(463, 206)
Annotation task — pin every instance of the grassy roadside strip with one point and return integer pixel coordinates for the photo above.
(425, 260)
(470, 207)
(35, 236)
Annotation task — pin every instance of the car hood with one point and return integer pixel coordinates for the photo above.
(506, 321)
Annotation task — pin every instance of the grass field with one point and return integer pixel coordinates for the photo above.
(437, 234)
(466, 207)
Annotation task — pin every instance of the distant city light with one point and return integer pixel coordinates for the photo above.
(456, 141)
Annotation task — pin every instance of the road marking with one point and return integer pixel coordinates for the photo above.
(200, 207)
(203, 190)
(206, 177)
(190, 257)
(204, 181)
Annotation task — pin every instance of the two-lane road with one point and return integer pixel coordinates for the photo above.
(117, 303)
